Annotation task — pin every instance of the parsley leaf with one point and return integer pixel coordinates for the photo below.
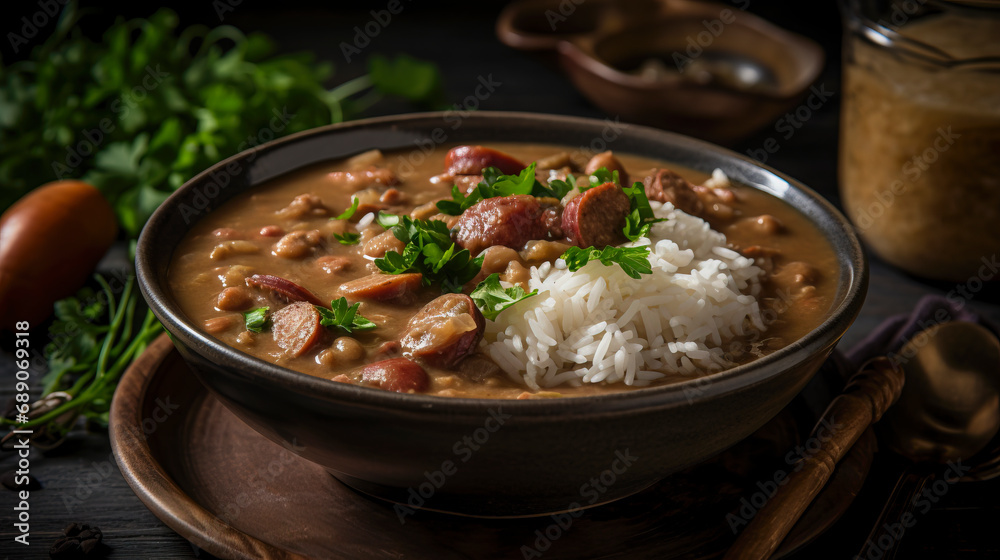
(602, 176)
(430, 251)
(255, 319)
(641, 216)
(492, 298)
(347, 214)
(344, 317)
(631, 259)
(347, 238)
(495, 184)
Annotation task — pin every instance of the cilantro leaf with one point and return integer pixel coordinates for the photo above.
(255, 319)
(631, 259)
(430, 251)
(347, 238)
(491, 298)
(347, 214)
(344, 317)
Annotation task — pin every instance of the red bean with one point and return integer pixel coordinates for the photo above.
(382, 287)
(296, 327)
(471, 160)
(271, 231)
(227, 233)
(444, 331)
(396, 374)
(510, 221)
(596, 217)
(333, 265)
(283, 290)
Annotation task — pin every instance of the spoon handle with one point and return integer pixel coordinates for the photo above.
(896, 517)
(864, 400)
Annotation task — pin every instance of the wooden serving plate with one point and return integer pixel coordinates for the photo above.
(235, 494)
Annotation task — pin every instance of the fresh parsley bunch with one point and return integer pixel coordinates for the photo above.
(151, 105)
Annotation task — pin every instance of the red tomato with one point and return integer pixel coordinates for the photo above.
(50, 242)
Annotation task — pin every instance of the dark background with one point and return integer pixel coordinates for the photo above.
(460, 38)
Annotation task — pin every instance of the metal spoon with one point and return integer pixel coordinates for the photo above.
(948, 411)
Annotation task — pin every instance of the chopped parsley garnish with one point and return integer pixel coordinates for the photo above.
(641, 216)
(349, 213)
(491, 298)
(598, 177)
(344, 317)
(602, 176)
(496, 184)
(255, 319)
(430, 251)
(347, 238)
(631, 259)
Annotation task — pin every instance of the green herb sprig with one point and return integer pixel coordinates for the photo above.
(491, 298)
(430, 251)
(344, 317)
(140, 111)
(496, 184)
(632, 260)
(95, 336)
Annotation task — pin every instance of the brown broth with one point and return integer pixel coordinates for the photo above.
(790, 310)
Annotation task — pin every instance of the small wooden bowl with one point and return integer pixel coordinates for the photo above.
(601, 46)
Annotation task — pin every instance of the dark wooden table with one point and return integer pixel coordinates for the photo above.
(82, 482)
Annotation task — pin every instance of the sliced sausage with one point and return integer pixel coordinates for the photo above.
(666, 186)
(471, 160)
(283, 290)
(382, 287)
(396, 374)
(510, 221)
(296, 327)
(611, 163)
(596, 217)
(444, 331)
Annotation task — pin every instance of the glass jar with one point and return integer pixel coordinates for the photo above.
(920, 133)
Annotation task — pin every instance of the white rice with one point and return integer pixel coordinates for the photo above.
(598, 325)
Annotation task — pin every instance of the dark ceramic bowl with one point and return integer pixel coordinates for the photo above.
(479, 456)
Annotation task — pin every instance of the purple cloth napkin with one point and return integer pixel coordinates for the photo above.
(895, 331)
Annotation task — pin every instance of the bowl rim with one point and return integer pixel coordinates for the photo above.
(826, 334)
